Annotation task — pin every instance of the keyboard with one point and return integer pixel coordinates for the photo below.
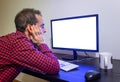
(67, 66)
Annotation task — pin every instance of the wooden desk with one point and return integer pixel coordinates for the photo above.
(77, 75)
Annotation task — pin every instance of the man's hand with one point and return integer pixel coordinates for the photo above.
(36, 34)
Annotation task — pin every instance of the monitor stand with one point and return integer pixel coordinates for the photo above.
(75, 56)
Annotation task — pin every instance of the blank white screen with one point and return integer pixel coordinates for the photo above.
(77, 33)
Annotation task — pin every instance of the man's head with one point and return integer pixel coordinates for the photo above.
(27, 17)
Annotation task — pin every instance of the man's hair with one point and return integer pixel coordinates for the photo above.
(25, 17)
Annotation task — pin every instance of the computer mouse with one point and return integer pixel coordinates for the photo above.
(92, 75)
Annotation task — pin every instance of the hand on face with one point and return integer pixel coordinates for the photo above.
(35, 34)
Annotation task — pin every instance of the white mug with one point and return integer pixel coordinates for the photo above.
(105, 59)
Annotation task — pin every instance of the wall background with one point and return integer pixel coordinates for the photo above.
(108, 10)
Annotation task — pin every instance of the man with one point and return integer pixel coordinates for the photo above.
(26, 48)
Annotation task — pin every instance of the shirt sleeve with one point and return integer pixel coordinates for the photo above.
(43, 60)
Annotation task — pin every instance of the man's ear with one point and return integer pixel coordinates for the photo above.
(28, 31)
(28, 28)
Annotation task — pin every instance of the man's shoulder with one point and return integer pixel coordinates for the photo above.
(17, 35)
(13, 36)
(5, 37)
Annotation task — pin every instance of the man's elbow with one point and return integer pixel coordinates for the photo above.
(54, 70)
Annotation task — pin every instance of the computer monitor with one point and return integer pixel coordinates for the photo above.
(79, 33)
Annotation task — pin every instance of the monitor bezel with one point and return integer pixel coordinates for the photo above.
(76, 17)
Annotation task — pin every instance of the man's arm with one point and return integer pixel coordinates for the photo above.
(42, 61)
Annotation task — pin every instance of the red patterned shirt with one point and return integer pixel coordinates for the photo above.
(17, 52)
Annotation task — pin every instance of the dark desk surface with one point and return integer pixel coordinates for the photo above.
(77, 75)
